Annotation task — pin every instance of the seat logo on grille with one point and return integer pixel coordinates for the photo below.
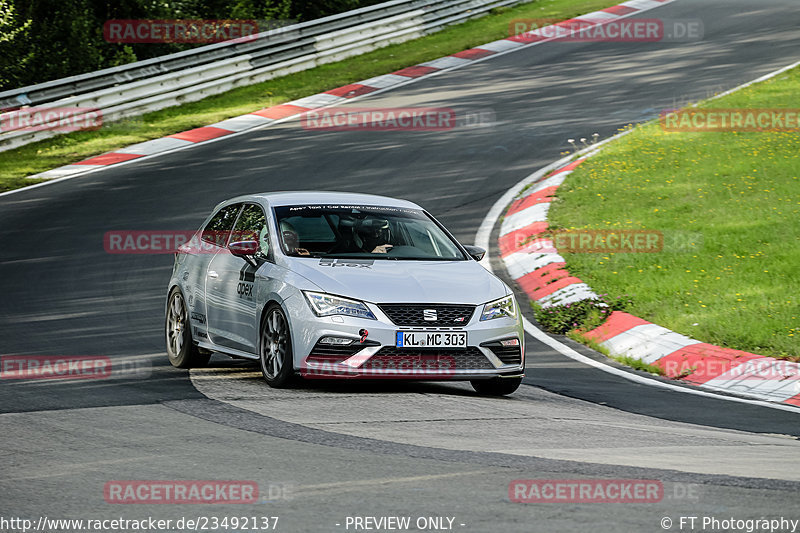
(429, 315)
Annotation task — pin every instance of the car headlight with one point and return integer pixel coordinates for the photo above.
(326, 305)
(505, 306)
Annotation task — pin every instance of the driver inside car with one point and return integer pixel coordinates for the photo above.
(373, 235)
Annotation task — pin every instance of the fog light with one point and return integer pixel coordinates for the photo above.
(510, 342)
(336, 341)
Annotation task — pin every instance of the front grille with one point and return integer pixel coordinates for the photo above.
(509, 355)
(390, 357)
(414, 314)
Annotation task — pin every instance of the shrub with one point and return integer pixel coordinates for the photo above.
(584, 315)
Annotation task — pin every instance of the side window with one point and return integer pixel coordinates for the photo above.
(252, 226)
(219, 227)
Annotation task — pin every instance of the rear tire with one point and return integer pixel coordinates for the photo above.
(275, 348)
(181, 349)
(496, 386)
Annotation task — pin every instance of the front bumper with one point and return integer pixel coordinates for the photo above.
(377, 357)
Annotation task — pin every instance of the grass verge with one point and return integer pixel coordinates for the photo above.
(16, 164)
(638, 364)
(734, 199)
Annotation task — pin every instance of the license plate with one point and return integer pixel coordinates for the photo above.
(431, 339)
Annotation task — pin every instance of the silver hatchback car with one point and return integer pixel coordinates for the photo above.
(328, 285)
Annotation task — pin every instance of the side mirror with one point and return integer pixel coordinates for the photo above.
(475, 252)
(245, 249)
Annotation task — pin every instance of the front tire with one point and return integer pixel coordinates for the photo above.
(181, 349)
(496, 386)
(275, 348)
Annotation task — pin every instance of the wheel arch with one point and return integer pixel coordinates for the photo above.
(271, 298)
(172, 286)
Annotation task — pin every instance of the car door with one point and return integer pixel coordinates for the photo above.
(212, 239)
(231, 290)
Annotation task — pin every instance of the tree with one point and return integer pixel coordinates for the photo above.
(42, 40)
(14, 55)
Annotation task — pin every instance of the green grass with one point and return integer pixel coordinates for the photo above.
(638, 364)
(66, 149)
(735, 197)
(577, 336)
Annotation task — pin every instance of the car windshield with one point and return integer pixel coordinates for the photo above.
(363, 232)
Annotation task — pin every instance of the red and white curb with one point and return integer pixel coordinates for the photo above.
(351, 92)
(531, 260)
(698, 363)
(534, 263)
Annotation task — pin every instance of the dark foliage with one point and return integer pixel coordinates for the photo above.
(42, 40)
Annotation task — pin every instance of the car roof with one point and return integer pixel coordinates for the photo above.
(276, 199)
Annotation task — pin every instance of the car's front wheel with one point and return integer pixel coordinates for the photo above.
(496, 386)
(275, 348)
(181, 350)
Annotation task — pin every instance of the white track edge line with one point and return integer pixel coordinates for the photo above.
(757, 80)
(542, 337)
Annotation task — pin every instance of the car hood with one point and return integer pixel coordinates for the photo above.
(387, 281)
